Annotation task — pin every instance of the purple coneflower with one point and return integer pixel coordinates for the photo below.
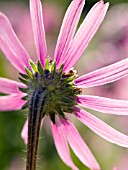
(52, 88)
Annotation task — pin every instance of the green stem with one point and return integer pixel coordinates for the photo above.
(34, 123)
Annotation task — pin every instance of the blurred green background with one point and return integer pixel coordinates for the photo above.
(12, 148)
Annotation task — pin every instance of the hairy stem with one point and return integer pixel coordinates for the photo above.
(34, 123)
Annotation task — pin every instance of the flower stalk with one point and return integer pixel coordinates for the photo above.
(34, 123)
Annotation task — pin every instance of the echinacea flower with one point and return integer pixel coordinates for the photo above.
(52, 88)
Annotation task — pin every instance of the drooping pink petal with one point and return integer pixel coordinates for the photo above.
(78, 145)
(105, 105)
(11, 42)
(11, 102)
(68, 29)
(24, 133)
(85, 33)
(102, 129)
(104, 75)
(61, 145)
(38, 29)
(10, 86)
(11, 56)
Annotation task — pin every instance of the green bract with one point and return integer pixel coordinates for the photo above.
(55, 89)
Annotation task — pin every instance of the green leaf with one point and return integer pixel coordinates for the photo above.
(33, 65)
(69, 110)
(53, 69)
(52, 116)
(67, 99)
(29, 72)
(25, 105)
(40, 69)
(58, 76)
(23, 81)
(24, 75)
(47, 64)
(23, 90)
(25, 98)
(58, 109)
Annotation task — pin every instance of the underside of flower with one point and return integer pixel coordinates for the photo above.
(55, 89)
(49, 92)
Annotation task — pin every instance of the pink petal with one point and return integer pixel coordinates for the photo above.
(78, 145)
(85, 33)
(105, 105)
(61, 145)
(24, 133)
(68, 29)
(11, 56)
(10, 43)
(9, 86)
(38, 29)
(102, 129)
(104, 75)
(11, 102)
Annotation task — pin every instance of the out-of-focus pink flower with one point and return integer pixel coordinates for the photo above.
(115, 168)
(47, 80)
(123, 162)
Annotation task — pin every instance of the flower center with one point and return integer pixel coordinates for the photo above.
(54, 88)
